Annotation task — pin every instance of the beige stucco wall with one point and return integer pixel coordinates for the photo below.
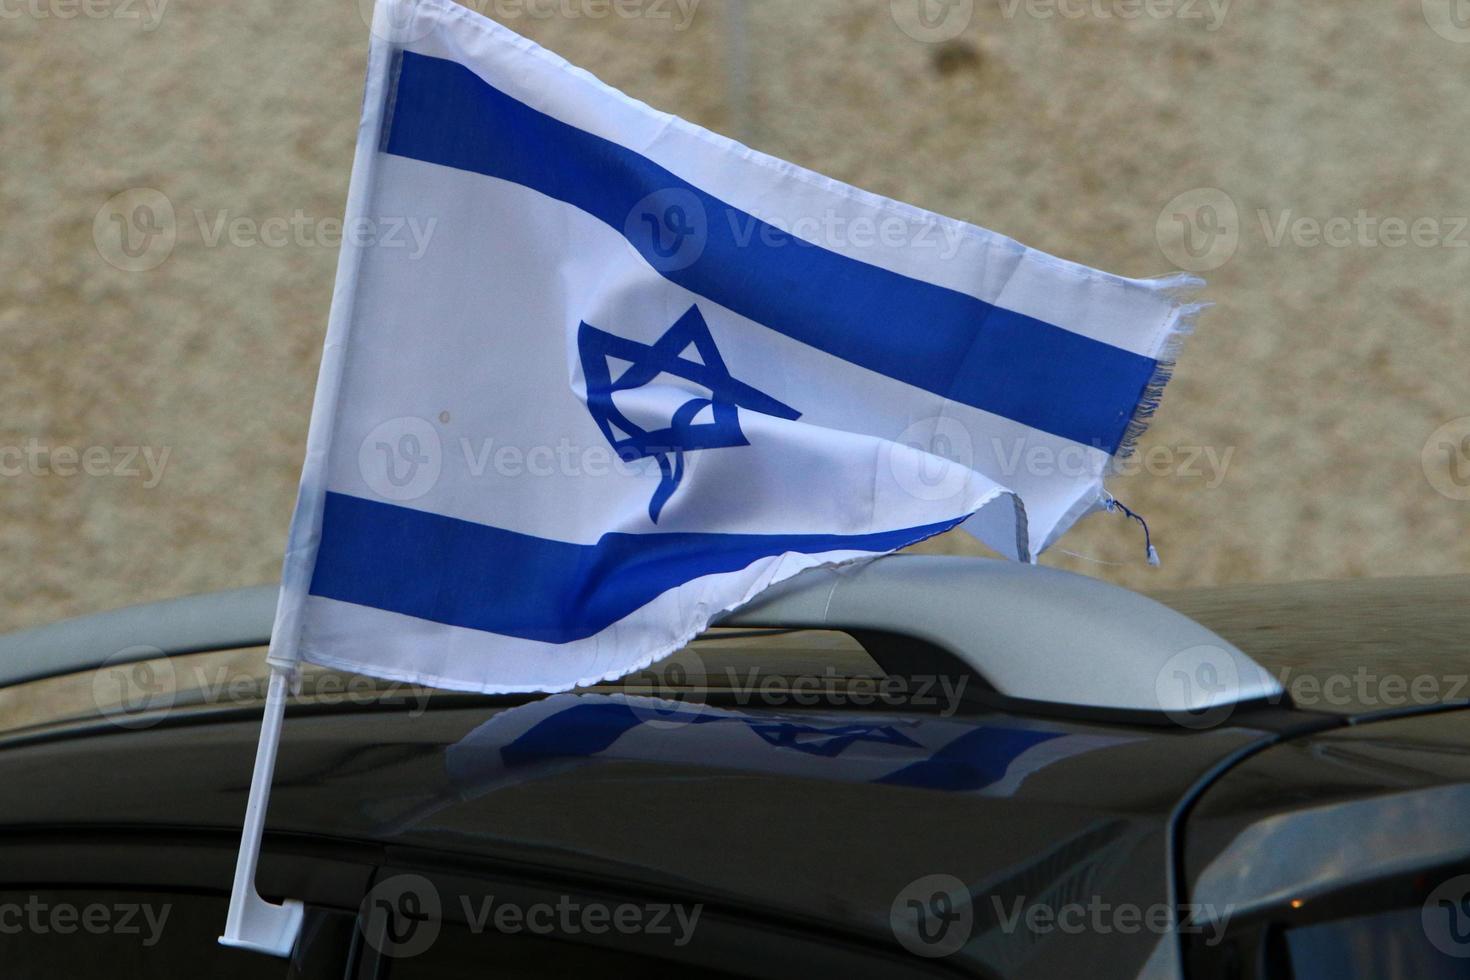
(1322, 372)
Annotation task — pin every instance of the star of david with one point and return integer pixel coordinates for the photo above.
(669, 357)
(829, 741)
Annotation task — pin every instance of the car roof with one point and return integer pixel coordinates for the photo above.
(795, 833)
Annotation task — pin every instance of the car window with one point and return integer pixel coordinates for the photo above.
(1371, 947)
(77, 934)
(460, 953)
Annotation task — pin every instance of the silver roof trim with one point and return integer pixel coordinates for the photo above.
(173, 628)
(1032, 633)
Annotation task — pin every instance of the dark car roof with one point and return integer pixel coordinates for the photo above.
(825, 846)
(828, 847)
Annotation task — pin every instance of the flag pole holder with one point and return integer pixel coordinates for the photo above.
(253, 923)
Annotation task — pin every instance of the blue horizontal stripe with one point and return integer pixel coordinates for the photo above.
(933, 338)
(971, 762)
(456, 572)
(579, 732)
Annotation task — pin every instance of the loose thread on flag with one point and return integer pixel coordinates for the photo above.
(1114, 506)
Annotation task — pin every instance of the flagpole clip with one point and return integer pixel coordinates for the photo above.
(261, 926)
(254, 923)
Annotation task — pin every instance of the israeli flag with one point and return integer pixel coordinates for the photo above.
(628, 374)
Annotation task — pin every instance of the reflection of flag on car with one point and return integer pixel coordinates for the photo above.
(640, 373)
(893, 750)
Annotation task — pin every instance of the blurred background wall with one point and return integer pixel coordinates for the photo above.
(1308, 158)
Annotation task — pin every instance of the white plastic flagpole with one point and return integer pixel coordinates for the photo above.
(254, 923)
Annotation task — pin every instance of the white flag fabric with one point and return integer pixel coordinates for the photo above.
(625, 374)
